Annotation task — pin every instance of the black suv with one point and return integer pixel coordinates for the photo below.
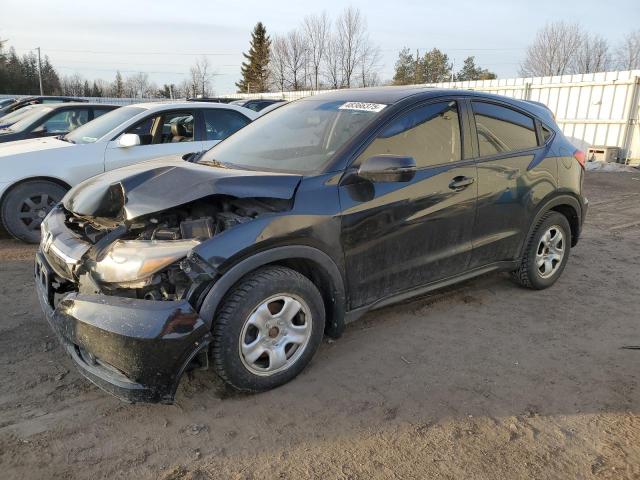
(245, 255)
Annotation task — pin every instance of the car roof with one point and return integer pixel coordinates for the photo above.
(395, 94)
(52, 97)
(73, 104)
(160, 106)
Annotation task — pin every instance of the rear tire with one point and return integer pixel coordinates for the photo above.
(546, 252)
(269, 327)
(25, 206)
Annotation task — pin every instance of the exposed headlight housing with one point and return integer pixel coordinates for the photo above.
(132, 261)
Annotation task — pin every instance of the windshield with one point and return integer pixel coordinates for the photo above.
(300, 137)
(31, 117)
(98, 128)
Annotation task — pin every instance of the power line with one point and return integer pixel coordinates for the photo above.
(112, 52)
(113, 70)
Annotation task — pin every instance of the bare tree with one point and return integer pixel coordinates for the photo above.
(368, 60)
(317, 29)
(201, 76)
(592, 55)
(139, 86)
(628, 53)
(351, 30)
(295, 59)
(185, 89)
(278, 63)
(332, 62)
(553, 50)
(72, 85)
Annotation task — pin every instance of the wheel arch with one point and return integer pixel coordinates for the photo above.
(565, 204)
(309, 261)
(57, 181)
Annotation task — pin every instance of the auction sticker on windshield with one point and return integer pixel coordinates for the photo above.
(367, 107)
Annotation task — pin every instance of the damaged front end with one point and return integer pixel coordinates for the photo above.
(122, 291)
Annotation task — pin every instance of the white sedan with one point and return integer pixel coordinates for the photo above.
(35, 174)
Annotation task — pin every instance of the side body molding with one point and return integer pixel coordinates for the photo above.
(335, 305)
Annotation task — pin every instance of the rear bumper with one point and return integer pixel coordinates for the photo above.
(137, 350)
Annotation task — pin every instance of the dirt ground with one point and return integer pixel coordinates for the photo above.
(486, 380)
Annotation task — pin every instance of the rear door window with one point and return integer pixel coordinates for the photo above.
(502, 130)
(220, 123)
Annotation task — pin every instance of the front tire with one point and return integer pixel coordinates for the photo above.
(270, 325)
(26, 205)
(546, 252)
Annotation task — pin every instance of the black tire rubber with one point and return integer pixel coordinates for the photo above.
(527, 273)
(243, 298)
(13, 201)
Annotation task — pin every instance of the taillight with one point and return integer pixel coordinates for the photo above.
(580, 156)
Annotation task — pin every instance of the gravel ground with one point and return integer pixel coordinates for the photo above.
(486, 380)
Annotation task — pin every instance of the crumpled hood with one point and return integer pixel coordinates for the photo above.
(154, 186)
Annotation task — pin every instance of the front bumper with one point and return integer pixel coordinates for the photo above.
(134, 349)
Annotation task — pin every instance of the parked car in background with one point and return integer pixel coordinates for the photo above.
(54, 119)
(256, 104)
(211, 99)
(272, 107)
(307, 218)
(35, 174)
(11, 118)
(36, 101)
(6, 101)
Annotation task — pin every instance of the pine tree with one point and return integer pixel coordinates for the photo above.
(96, 91)
(436, 67)
(470, 71)
(86, 89)
(118, 86)
(405, 68)
(255, 70)
(50, 79)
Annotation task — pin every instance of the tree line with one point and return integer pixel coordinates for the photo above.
(320, 53)
(20, 74)
(561, 48)
(323, 53)
(434, 67)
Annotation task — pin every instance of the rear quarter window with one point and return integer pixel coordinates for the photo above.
(502, 130)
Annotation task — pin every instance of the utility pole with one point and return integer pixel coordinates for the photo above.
(415, 74)
(40, 71)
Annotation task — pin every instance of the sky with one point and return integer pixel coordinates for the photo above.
(164, 38)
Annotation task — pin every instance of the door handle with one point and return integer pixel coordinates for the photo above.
(460, 183)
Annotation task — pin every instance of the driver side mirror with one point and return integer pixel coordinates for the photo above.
(129, 140)
(388, 168)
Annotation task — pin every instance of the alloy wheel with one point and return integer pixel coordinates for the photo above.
(34, 208)
(550, 252)
(275, 334)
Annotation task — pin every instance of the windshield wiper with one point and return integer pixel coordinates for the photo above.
(214, 163)
(193, 156)
(64, 138)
